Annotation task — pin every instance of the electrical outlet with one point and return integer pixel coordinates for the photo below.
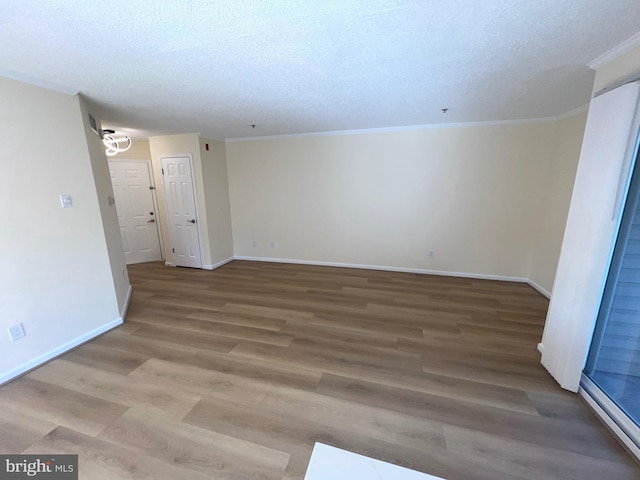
(254, 244)
(432, 253)
(16, 332)
(273, 244)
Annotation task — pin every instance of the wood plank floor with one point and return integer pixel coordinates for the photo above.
(235, 373)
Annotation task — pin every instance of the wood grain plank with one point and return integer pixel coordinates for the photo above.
(277, 373)
(18, 430)
(200, 381)
(117, 361)
(119, 389)
(60, 406)
(186, 338)
(103, 460)
(194, 449)
(513, 457)
(210, 327)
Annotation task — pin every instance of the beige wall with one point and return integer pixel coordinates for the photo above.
(139, 151)
(554, 184)
(216, 194)
(386, 199)
(104, 189)
(57, 276)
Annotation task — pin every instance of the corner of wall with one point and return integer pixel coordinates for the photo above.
(554, 186)
(106, 202)
(216, 192)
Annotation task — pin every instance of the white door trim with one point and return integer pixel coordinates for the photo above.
(195, 200)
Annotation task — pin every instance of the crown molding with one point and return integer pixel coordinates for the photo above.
(615, 52)
(405, 128)
(489, 123)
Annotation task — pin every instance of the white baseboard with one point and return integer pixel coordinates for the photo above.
(480, 276)
(56, 352)
(540, 348)
(540, 289)
(219, 264)
(125, 307)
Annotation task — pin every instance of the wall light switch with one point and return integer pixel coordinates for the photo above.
(65, 200)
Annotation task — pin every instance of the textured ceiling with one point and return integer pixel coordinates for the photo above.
(215, 67)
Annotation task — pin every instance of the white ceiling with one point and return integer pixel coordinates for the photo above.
(215, 67)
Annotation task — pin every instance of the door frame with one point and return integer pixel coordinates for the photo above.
(195, 201)
(154, 197)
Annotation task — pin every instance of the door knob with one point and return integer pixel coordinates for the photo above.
(153, 220)
(193, 220)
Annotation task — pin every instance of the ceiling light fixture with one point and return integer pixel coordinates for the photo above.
(115, 144)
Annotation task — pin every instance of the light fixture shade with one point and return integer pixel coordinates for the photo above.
(115, 144)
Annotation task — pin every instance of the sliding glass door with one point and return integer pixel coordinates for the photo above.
(613, 365)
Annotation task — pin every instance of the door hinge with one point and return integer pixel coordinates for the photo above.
(151, 187)
(173, 250)
(162, 170)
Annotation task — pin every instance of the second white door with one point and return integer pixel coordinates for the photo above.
(132, 186)
(181, 211)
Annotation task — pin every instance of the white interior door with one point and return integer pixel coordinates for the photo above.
(181, 211)
(136, 211)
